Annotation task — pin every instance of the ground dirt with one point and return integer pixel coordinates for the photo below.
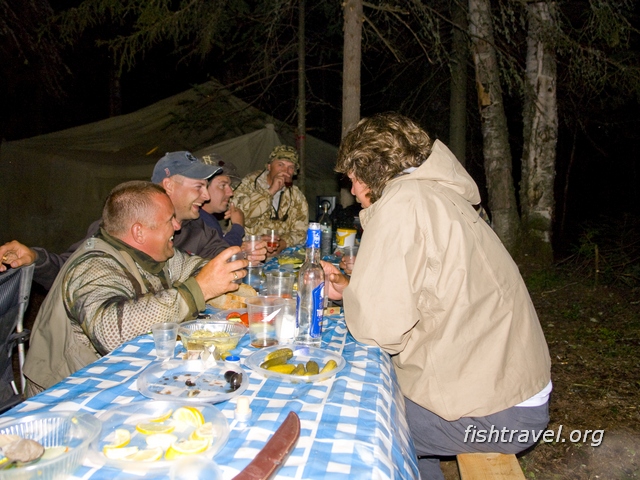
(593, 332)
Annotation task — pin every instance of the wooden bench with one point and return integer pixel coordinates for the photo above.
(486, 466)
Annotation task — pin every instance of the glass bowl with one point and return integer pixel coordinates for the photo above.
(210, 335)
(66, 437)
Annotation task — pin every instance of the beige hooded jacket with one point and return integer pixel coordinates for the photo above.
(435, 288)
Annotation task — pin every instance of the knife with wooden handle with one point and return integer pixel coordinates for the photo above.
(272, 455)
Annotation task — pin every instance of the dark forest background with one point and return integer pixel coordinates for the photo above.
(51, 80)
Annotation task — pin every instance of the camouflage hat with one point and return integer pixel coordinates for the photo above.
(285, 152)
(226, 168)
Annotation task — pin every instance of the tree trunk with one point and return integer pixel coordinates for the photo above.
(458, 67)
(497, 153)
(353, 18)
(540, 120)
(302, 99)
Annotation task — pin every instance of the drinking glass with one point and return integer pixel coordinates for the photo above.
(164, 336)
(263, 315)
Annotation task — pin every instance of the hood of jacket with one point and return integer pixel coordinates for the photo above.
(441, 167)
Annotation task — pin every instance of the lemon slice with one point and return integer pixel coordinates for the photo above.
(53, 452)
(186, 447)
(149, 428)
(162, 440)
(203, 432)
(121, 438)
(147, 455)
(162, 417)
(189, 415)
(119, 453)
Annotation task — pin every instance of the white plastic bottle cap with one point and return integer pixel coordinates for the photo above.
(243, 411)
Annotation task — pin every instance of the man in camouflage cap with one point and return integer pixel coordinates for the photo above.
(269, 200)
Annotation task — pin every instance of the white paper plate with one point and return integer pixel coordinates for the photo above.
(178, 379)
(301, 354)
(128, 416)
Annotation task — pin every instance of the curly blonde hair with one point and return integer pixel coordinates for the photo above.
(381, 147)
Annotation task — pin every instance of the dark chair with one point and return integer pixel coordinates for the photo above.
(15, 288)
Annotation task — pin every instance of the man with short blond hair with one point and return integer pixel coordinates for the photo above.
(119, 283)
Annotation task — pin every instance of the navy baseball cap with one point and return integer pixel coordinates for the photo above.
(182, 163)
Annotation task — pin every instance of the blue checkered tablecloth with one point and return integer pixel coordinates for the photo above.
(353, 425)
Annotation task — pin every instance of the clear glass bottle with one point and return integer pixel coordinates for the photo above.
(326, 242)
(310, 301)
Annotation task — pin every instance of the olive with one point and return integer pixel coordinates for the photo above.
(235, 380)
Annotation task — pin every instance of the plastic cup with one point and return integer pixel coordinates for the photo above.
(237, 256)
(249, 246)
(349, 257)
(254, 276)
(263, 313)
(286, 330)
(280, 283)
(272, 239)
(164, 336)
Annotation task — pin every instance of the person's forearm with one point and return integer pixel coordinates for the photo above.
(47, 266)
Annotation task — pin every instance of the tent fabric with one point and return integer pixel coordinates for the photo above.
(53, 186)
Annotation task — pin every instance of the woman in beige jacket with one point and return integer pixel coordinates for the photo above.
(435, 288)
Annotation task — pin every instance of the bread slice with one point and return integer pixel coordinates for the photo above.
(236, 299)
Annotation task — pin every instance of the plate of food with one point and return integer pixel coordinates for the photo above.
(193, 381)
(292, 259)
(153, 435)
(296, 363)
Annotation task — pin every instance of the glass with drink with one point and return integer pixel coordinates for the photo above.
(238, 256)
(272, 239)
(280, 283)
(264, 313)
(249, 246)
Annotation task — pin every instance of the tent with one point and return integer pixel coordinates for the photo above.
(54, 185)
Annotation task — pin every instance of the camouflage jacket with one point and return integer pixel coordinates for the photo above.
(105, 295)
(253, 198)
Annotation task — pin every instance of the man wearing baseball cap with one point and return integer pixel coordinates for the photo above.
(184, 179)
(269, 200)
